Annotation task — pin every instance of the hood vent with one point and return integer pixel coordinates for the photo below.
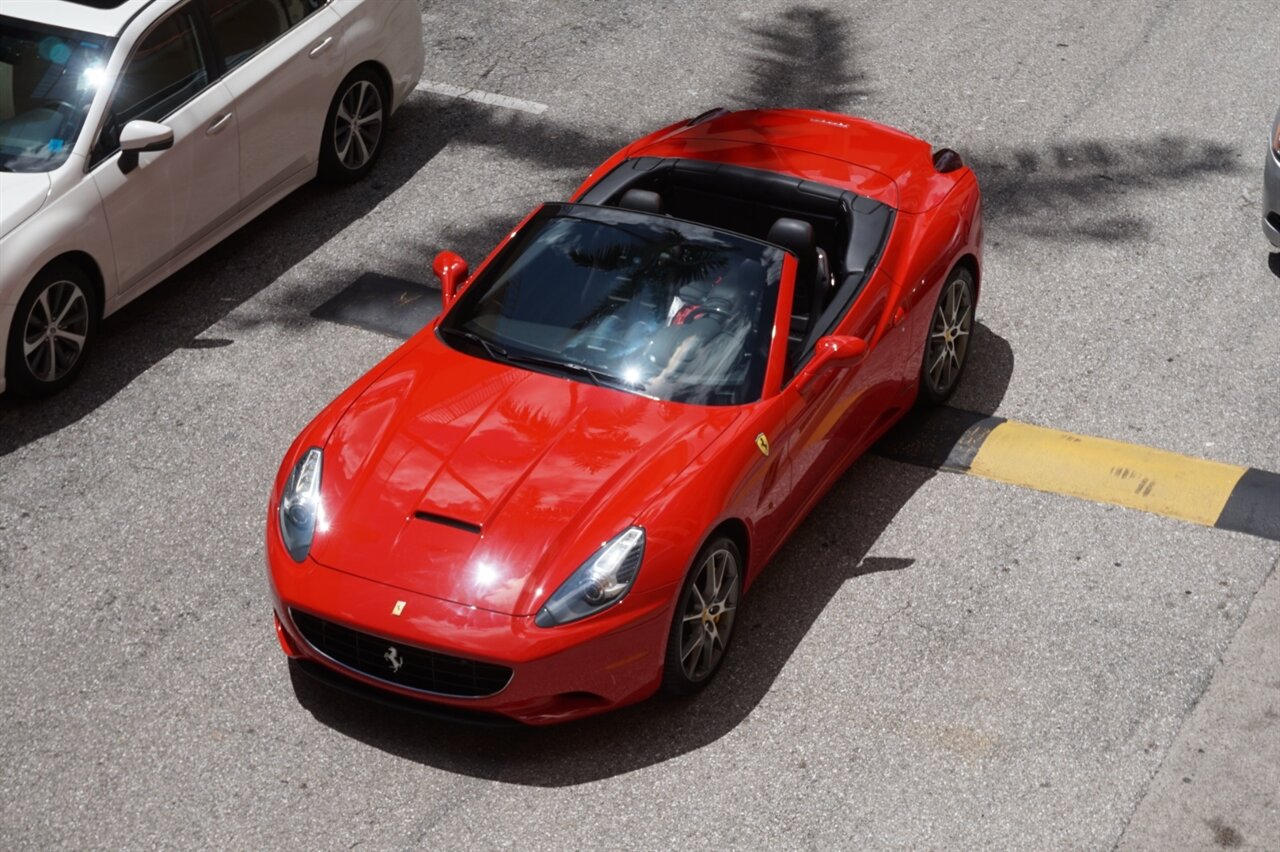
(448, 522)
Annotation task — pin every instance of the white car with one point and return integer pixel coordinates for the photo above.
(136, 134)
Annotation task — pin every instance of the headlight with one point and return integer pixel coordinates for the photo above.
(599, 583)
(300, 504)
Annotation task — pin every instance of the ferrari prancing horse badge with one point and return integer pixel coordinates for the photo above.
(762, 441)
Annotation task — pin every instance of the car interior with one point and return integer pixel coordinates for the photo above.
(835, 235)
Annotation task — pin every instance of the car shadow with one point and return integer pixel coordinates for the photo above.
(826, 554)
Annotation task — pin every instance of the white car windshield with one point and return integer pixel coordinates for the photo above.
(48, 78)
(645, 303)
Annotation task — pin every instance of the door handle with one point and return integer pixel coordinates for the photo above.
(218, 123)
(319, 48)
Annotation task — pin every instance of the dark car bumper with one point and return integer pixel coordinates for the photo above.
(1271, 192)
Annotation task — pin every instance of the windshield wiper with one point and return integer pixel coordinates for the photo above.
(495, 351)
(597, 377)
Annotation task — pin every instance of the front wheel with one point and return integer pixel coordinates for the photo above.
(354, 128)
(947, 347)
(703, 622)
(56, 320)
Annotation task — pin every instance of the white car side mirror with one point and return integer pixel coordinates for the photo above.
(145, 136)
(139, 136)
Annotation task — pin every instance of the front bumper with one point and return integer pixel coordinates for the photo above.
(1271, 199)
(558, 674)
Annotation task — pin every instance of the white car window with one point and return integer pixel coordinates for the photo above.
(243, 27)
(166, 70)
(48, 78)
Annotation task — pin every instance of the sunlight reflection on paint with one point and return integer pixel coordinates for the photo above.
(485, 575)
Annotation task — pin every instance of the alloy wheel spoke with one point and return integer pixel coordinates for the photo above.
(693, 647)
(51, 372)
(359, 98)
(942, 354)
(70, 336)
(43, 302)
(707, 656)
(702, 602)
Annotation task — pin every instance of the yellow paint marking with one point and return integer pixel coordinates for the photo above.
(1107, 471)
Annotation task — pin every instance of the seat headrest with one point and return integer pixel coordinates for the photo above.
(795, 235)
(736, 289)
(642, 200)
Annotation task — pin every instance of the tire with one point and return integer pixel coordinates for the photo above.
(705, 612)
(946, 349)
(53, 328)
(354, 128)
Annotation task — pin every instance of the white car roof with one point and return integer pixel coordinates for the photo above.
(103, 17)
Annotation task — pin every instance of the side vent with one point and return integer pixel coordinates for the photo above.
(714, 112)
(945, 160)
(445, 520)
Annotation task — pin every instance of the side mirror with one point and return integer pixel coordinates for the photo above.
(452, 271)
(833, 352)
(139, 136)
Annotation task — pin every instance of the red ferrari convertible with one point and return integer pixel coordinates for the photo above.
(550, 501)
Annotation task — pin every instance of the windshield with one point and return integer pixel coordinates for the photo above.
(645, 303)
(48, 78)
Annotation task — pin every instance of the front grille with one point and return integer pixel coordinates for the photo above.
(426, 671)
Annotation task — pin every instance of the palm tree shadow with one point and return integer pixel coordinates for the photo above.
(824, 556)
(1089, 189)
(801, 59)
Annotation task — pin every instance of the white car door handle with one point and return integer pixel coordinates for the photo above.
(319, 48)
(218, 123)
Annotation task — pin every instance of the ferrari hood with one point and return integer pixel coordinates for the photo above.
(486, 484)
(21, 194)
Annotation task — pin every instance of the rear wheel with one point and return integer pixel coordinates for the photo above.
(947, 347)
(703, 622)
(56, 321)
(354, 127)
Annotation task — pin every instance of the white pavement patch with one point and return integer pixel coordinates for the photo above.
(481, 97)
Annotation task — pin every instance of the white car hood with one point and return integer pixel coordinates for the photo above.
(21, 194)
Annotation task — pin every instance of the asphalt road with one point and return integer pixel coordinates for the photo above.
(935, 661)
